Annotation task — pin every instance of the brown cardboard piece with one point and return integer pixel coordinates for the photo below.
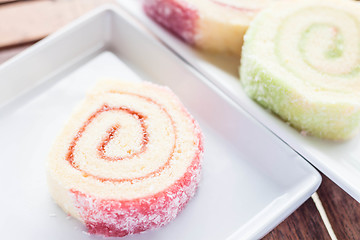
(29, 21)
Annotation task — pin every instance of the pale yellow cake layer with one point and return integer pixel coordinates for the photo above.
(223, 23)
(160, 144)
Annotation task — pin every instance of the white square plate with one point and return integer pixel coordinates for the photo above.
(251, 180)
(340, 161)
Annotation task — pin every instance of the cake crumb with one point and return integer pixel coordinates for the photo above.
(304, 133)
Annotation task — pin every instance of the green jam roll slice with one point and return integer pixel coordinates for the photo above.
(302, 61)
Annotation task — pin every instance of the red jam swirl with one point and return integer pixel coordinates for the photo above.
(110, 135)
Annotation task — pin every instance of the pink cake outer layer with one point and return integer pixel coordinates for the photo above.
(177, 16)
(111, 217)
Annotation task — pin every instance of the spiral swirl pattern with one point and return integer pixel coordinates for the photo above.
(323, 48)
(136, 153)
(129, 147)
(302, 60)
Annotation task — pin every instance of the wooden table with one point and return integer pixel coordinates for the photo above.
(330, 214)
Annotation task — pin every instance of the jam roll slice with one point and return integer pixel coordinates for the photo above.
(302, 61)
(212, 25)
(128, 160)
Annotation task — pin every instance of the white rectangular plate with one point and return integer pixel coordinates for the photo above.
(340, 161)
(251, 180)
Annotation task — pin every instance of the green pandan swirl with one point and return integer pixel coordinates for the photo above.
(321, 45)
(302, 61)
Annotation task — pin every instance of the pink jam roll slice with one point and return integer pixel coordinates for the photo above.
(128, 160)
(213, 25)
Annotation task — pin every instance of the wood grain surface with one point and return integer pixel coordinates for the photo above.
(9, 52)
(342, 210)
(304, 223)
(11, 1)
